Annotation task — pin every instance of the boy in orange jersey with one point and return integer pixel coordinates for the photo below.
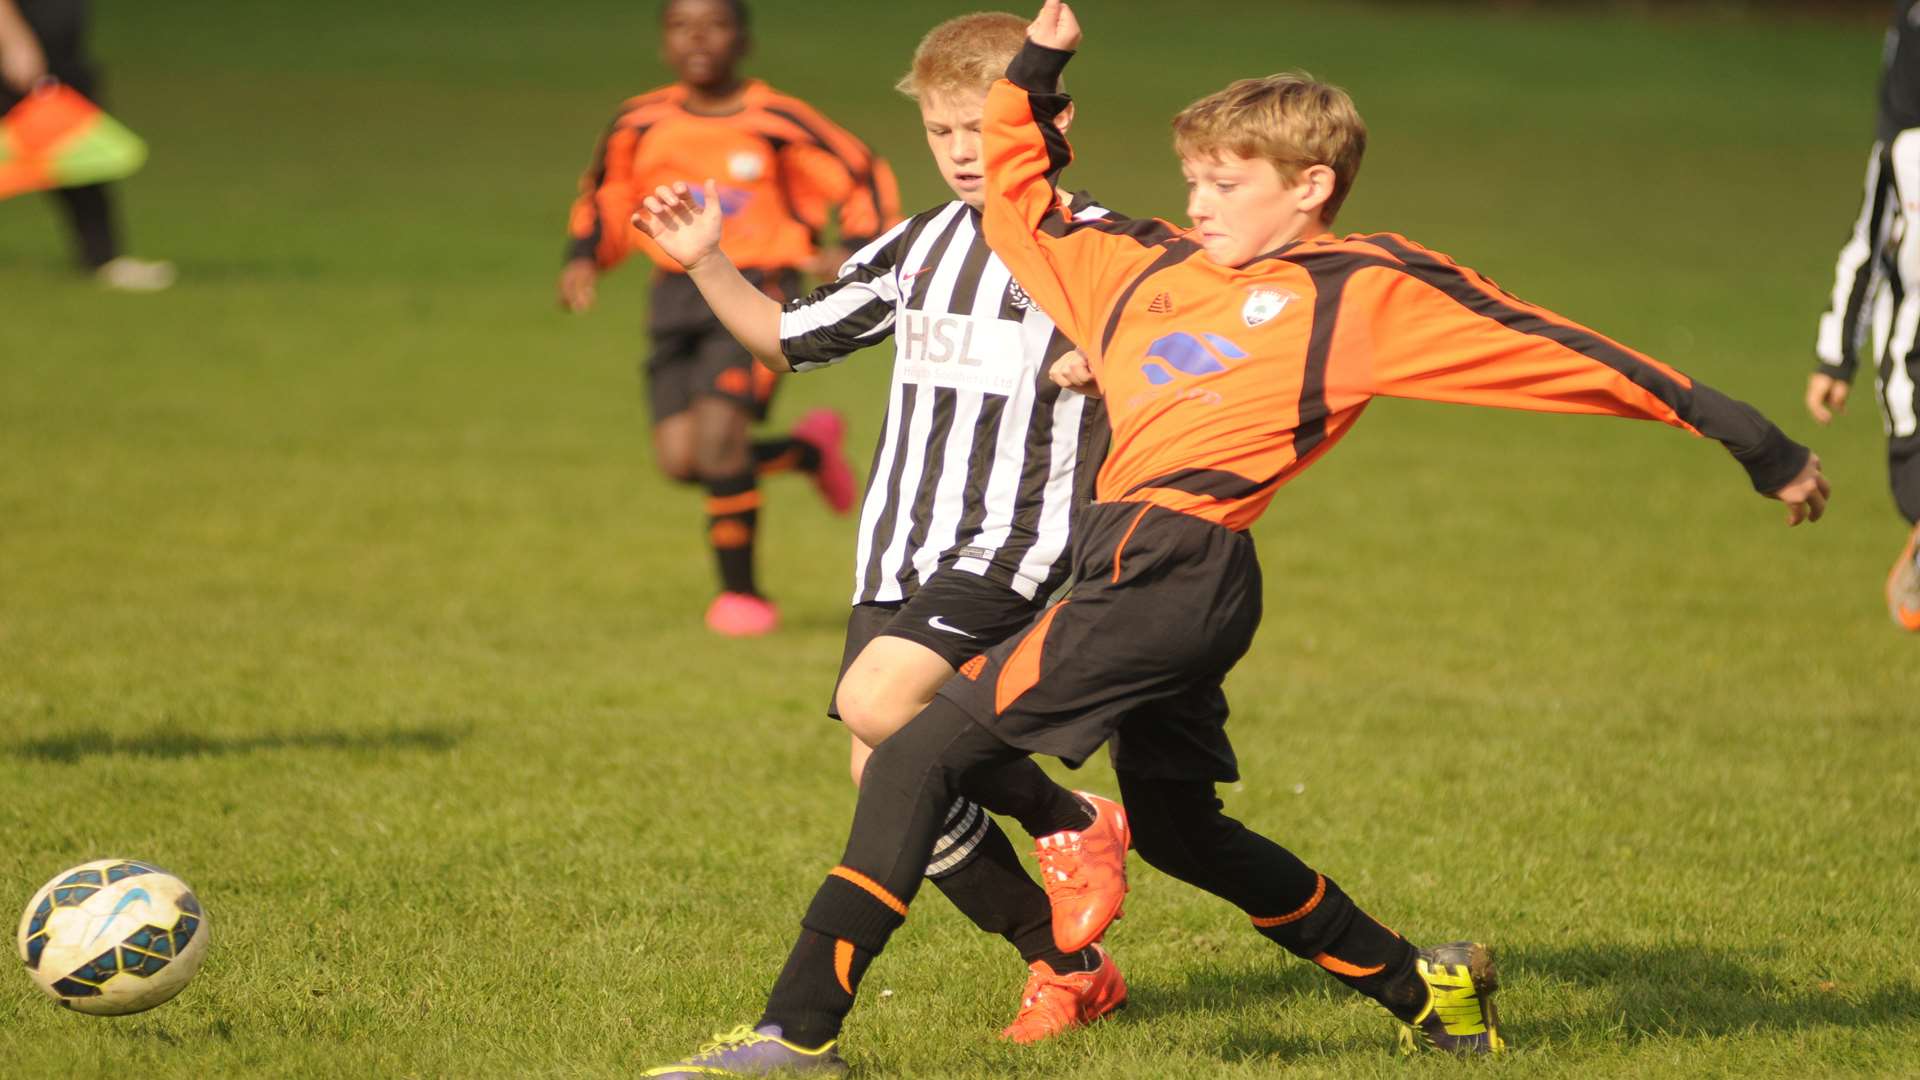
(783, 168)
(1231, 356)
(965, 529)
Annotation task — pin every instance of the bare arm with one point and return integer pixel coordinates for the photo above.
(688, 228)
(22, 63)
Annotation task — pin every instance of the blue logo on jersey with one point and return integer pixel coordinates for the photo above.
(1190, 355)
(732, 200)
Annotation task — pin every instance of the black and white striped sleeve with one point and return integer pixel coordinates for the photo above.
(1843, 326)
(849, 313)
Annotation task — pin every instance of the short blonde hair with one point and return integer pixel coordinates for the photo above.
(1290, 120)
(965, 54)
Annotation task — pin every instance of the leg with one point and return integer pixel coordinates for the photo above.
(89, 212)
(725, 468)
(949, 620)
(910, 782)
(673, 447)
(972, 863)
(1446, 993)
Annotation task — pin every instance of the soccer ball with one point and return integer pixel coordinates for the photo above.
(112, 937)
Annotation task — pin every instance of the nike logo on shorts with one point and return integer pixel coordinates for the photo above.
(940, 624)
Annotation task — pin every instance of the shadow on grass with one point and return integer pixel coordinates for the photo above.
(1646, 994)
(1667, 990)
(176, 743)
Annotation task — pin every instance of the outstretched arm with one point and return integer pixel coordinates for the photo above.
(1073, 268)
(1441, 332)
(688, 229)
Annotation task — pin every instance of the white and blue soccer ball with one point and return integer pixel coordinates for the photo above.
(113, 936)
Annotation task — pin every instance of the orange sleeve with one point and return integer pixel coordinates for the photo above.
(598, 227)
(1437, 331)
(832, 169)
(1074, 270)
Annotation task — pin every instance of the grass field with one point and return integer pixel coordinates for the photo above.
(339, 581)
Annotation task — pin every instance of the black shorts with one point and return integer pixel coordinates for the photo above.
(1163, 605)
(956, 614)
(692, 354)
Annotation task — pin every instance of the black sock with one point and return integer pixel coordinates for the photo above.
(733, 509)
(1024, 792)
(845, 927)
(785, 454)
(95, 231)
(810, 1000)
(975, 867)
(1178, 827)
(1331, 930)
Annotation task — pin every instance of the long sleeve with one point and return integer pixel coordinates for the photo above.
(849, 313)
(1074, 269)
(1843, 326)
(598, 228)
(1438, 331)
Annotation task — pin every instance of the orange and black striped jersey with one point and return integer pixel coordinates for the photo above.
(1222, 383)
(781, 168)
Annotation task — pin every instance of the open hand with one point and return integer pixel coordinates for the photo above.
(1072, 372)
(1055, 27)
(685, 225)
(1806, 494)
(1826, 396)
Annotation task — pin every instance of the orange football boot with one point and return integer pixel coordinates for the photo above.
(1085, 874)
(1054, 1003)
(1903, 586)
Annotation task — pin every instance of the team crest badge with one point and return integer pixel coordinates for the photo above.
(746, 167)
(1018, 297)
(1264, 304)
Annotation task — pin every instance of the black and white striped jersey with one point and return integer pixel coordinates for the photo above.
(983, 458)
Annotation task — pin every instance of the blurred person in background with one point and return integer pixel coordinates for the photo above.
(1875, 306)
(48, 38)
(782, 167)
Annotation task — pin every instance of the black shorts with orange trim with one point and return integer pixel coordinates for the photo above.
(956, 614)
(1163, 605)
(692, 354)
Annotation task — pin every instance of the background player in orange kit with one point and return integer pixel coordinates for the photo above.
(783, 169)
(1231, 356)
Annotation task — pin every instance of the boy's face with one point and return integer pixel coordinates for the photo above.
(701, 42)
(1242, 207)
(952, 122)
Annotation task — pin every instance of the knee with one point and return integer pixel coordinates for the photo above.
(720, 451)
(677, 464)
(869, 711)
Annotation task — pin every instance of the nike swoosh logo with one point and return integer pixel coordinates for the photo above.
(939, 623)
(136, 894)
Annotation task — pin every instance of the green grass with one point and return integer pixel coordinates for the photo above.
(339, 580)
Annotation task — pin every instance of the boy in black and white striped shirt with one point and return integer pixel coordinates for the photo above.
(1874, 313)
(964, 531)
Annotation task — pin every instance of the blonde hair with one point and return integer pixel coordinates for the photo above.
(965, 54)
(1290, 120)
